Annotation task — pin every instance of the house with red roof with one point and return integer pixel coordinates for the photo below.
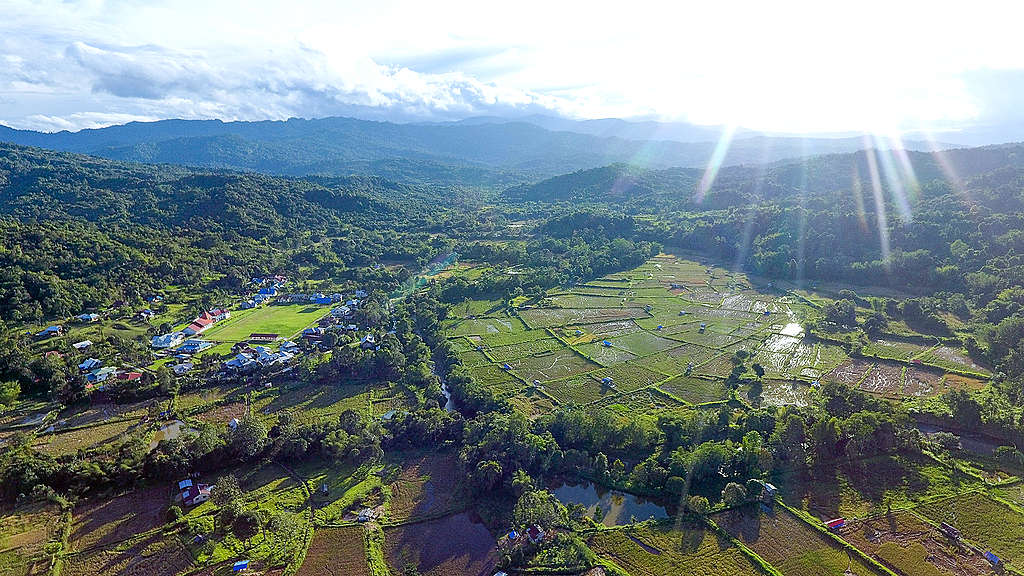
(200, 324)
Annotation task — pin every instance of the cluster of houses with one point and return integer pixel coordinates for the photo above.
(199, 325)
(193, 493)
(96, 374)
(249, 358)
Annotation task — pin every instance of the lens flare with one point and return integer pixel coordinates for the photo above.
(881, 220)
(715, 162)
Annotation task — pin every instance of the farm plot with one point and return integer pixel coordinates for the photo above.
(989, 523)
(98, 413)
(903, 541)
(473, 358)
(629, 376)
(512, 352)
(309, 403)
(104, 523)
(484, 326)
(532, 403)
(284, 320)
(651, 401)
(642, 343)
(588, 301)
(884, 379)
(719, 367)
(553, 366)
(579, 390)
(658, 550)
(450, 546)
(152, 555)
(894, 349)
(784, 393)
(919, 381)
(339, 549)
(70, 442)
(876, 483)
(425, 487)
(708, 338)
(696, 390)
(550, 317)
(605, 329)
(952, 359)
(850, 372)
(605, 355)
(223, 414)
(24, 531)
(790, 545)
(680, 359)
(497, 339)
(492, 375)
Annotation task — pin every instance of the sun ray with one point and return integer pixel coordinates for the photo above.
(715, 162)
(881, 220)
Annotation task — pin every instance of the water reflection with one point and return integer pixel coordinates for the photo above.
(617, 508)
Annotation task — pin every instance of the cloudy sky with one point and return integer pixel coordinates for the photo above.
(786, 66)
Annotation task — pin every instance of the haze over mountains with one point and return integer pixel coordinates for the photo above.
(477, 151)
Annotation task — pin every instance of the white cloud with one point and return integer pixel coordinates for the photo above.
(774, 65)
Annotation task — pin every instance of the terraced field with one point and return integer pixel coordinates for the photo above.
(989, 523)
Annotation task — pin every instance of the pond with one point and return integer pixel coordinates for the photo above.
(618, 507)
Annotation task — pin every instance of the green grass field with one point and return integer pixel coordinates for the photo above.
(284, 320)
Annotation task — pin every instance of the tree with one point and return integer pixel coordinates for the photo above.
(698, 505)
(226, 491)
(249, 437)
(246, 525)
(9, 392)
(164, 379)
(759, 370)
(734, 494)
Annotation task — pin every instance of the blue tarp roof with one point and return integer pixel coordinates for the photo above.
(240, 565)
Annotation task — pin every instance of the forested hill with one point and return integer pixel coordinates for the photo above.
(983, 168)
(38, 184)
(489, 154)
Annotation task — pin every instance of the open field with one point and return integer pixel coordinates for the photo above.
(874, 485)
(152, 555)
(909, 545)
(338, 549)
(286, 320)
(450, 546)
(656, 550)
(425, 487)
(106, 522)
(70, 442)
(24, 531)
(989, 523)
(789, 544)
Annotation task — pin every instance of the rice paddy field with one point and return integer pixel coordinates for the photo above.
(654, 550)
(451, 546)
(671, 327)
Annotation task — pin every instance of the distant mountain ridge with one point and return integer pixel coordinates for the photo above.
(492, 154)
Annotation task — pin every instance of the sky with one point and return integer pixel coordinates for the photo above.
(785, 66)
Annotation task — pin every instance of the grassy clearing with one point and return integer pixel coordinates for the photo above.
(660, 549)
(310, 403)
